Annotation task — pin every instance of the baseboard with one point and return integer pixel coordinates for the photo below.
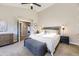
(74, 43)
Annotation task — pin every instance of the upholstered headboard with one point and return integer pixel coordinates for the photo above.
(57, 28)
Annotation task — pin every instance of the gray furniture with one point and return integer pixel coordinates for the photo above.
(64, 39)
(6, 38)
(36, 47)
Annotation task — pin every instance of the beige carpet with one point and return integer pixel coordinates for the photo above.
(18, 49)
(67, 50)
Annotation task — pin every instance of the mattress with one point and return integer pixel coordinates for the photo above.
(51, 40)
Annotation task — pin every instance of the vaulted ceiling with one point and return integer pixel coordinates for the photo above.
(27, 6)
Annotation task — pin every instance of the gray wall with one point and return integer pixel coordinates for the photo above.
(62, 14)
(11, 14)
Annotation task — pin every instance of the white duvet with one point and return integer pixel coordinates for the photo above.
(50, 39)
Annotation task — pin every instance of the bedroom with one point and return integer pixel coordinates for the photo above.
(61, 18)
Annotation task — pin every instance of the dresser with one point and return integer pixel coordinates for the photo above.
(6, 38)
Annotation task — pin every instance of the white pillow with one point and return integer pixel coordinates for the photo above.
(51, 31)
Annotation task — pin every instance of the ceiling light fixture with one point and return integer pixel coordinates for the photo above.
(31, 6)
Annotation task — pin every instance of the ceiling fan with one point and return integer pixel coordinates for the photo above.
(31, 5)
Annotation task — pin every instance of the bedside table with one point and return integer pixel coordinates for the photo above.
(64, 39)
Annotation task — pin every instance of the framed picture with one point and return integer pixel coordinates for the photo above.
(3, 26)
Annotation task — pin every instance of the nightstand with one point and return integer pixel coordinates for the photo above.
(64, 39)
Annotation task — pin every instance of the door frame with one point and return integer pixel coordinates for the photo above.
(19, 29)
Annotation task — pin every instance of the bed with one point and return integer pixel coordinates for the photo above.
(50, 36)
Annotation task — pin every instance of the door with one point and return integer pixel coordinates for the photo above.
(23, 30)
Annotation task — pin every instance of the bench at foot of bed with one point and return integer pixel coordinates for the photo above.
(36, 47)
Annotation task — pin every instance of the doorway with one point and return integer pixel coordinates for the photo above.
(23, 30)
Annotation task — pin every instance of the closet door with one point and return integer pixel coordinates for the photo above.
(23, 30)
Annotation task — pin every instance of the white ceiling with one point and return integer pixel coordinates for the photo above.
(27, 6)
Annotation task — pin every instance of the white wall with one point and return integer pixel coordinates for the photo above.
(11, 14)
(62, 14)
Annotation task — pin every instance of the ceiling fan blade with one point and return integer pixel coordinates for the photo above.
(25, 3)
(37, 4)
